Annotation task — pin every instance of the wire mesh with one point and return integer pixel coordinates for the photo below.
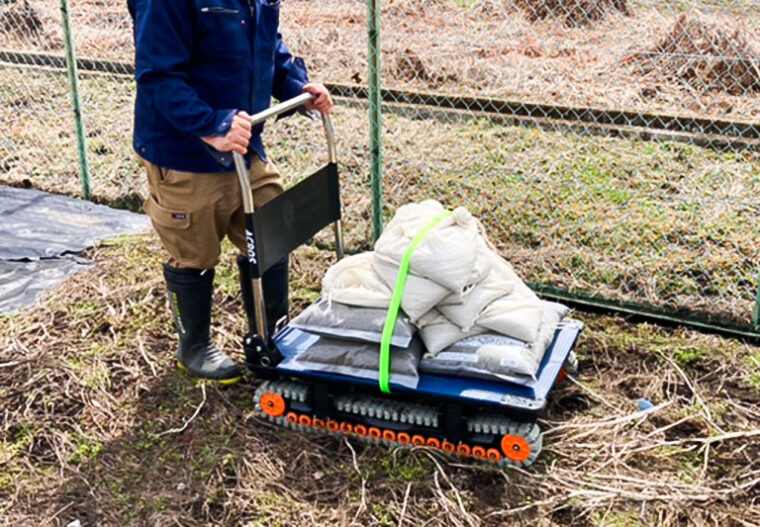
(610, 146)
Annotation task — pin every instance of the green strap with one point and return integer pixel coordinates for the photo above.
(398, 293)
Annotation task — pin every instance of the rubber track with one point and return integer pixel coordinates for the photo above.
(389, 410)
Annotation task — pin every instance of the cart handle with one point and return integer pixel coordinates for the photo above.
(248, 204)
(285, 106)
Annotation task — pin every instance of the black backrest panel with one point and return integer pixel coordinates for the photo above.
(295, 216)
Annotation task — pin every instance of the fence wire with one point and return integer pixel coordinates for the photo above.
(610, 146)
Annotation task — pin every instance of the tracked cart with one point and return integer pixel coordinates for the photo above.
(483, 419)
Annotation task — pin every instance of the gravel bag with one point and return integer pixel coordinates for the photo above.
(360, 359)
(500, 281)
(438, 332)
(420, 294)
(514, 315)
(497, 357)
(363, 324)
(354, 281)
(448, 253)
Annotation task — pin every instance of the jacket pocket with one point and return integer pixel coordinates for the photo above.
(221, 31)
(217, 10)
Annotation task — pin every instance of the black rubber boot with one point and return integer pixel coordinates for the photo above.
(190, 295)
(275, 286)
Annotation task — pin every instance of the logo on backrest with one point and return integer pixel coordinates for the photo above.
(251, 247)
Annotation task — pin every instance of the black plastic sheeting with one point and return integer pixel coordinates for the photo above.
(40, 236)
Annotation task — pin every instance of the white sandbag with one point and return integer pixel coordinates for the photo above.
(363, 324)
(448, 253)
(353, 281)
(514, 315)
(420, 294)
(497, 357)
(500, 281)
(438, 332)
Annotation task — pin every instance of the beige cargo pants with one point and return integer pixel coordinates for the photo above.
(193, 212)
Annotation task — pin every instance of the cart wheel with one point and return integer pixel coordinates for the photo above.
(272, 404)
(515, 448)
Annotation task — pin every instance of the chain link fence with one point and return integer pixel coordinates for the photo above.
(610, 146)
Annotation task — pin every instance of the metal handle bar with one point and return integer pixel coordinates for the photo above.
(248, 204)
(262, 116)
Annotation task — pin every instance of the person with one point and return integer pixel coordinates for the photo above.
(202, 68)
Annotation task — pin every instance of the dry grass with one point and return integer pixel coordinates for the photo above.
(670, 225)
(706, 56)
(568, 52)
(96, 425)
(572, 12)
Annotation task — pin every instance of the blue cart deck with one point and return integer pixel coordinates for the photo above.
(529, 395)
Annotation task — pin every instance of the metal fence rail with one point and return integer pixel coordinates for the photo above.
(611, 147)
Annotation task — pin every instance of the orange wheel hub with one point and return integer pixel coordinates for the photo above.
(375, 433)
(304, 420)
(403, 438)
(318, 423)
(432, 442)
(479, 452)
(494, 455)
(272, 404)
(333, 426)
(389, 435)
(448, 447)
(346, 428)
(292, 418)
(418, 440)
(360, 430)
(515, 448)
(463, 450)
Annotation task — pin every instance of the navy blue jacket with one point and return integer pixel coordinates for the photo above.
(198, 62)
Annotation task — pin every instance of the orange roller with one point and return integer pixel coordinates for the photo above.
(448, 447)
(272, 404)
(403, 438)
(432, 442)
(418, 441)
(494, 455)
(318, 423)
(463, 450)
(374, 433)
(515, 448)
(346, 428)
(332, 426)
(479, 452)
(389, 435)
(360, 430)
(292, 418)
(304, 420)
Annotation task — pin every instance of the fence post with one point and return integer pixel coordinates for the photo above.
(375, 117)
(71, 64)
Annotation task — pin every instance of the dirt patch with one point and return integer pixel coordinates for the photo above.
(572, 12)
(20, 20)
(705, 55)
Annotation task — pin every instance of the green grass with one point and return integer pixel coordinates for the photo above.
(670, 225)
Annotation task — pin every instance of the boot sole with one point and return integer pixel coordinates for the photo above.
(225, 382)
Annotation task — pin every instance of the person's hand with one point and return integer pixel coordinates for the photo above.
(322, 100)
(237, 137)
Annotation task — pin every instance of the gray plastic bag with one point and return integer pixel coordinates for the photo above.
(361, 359)
(363, 324)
